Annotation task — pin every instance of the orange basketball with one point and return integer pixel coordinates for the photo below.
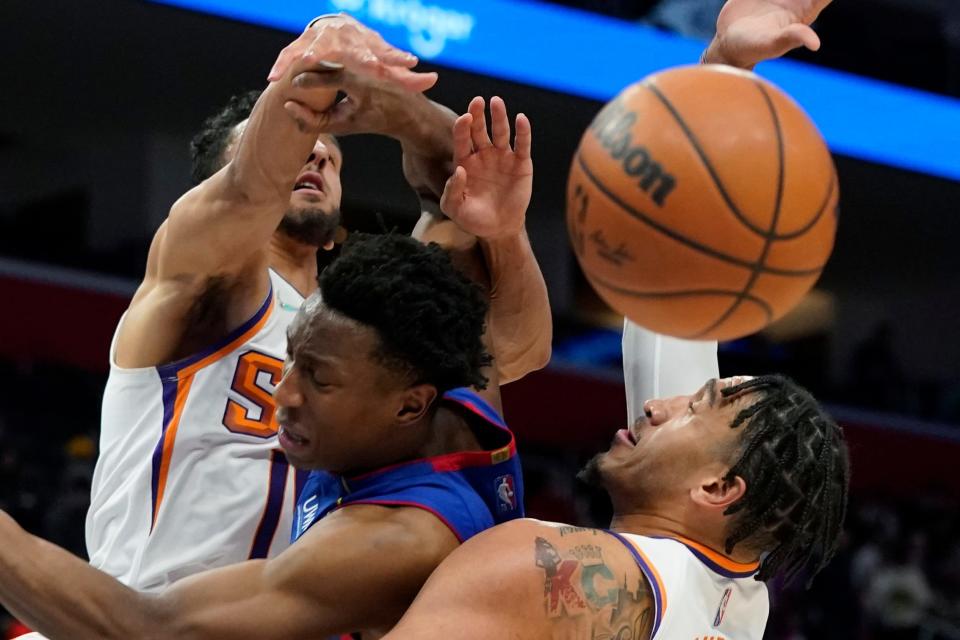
(702, 203)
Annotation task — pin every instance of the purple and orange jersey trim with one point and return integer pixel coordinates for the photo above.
(276, 486)
(176, 379)
(653, 578)
(716, 561)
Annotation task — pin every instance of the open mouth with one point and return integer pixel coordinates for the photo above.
(288, 438)
(626, 436)
(309, 181)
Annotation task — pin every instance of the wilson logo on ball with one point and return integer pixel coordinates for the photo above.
(612, 127)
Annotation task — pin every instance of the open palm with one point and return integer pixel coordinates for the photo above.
(751, 31)
(489, 192)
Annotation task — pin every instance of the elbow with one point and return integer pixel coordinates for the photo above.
(540, 357)
(535, 357)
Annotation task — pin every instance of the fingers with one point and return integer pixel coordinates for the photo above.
(524, 137)
(326, 74)
(809, 37)
(389, 54)
(462, 142)
(475, 119)
(499, 123)
(340, 118)
(412, 80)
(307, 119)
(286, 56)
(478, 130)
(393, 56)
(359, 48)
(454, 192)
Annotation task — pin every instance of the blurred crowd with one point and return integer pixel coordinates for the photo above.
(896, 577)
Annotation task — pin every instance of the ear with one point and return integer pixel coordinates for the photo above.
(415, 402)
(718, 492)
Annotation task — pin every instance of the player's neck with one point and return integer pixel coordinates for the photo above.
(654, 525)
(449, 433)
(295, 262)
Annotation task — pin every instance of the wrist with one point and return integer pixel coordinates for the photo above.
(506, 242)
(424, 127)
(717, 53)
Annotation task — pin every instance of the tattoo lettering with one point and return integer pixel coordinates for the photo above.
(558, 587)
(587, 552)
(566, 531)
(585, 597)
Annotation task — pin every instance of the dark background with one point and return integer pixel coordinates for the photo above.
(97, 106)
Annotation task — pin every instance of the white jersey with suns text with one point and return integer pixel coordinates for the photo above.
(190, 474)
(698, 593)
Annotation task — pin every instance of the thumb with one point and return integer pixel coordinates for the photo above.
(307, 119)
(799, 35)
(454, 192)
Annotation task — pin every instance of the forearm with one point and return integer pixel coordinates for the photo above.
(273, 148)
(425, 133)
(521, 326)
(61, 596)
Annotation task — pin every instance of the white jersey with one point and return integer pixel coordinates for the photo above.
(657, 366)
(698, 593)
(190, 474)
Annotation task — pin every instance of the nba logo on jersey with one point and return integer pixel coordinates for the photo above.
(722, 609)
(506, 493)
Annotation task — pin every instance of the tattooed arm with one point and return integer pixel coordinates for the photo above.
(529, 580)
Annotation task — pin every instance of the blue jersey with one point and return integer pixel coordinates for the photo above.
(469, 491)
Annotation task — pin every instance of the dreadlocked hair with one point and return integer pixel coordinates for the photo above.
(794, 461)
(429, 316)
(208, 146)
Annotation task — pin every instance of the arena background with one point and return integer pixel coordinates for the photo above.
(98, 103)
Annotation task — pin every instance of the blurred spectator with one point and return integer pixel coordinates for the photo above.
(898, 596)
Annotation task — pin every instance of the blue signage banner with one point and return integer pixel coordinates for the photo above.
(594, 56)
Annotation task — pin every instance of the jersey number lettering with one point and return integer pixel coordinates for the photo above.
(254, 369)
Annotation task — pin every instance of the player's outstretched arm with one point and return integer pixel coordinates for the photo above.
(221, 228)
(358, 569)
(528, 580)
(487, 197)
(751, 31)
(491, 245)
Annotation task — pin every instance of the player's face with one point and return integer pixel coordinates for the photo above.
(678, 444)
(314, 212)
(336, 405)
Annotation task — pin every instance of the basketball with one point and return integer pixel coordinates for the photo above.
(702, 203)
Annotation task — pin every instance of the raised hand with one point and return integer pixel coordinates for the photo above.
(339, 52)
(489, 191)
(751, 31)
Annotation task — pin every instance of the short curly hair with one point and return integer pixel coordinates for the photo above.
(430, 317)
(208, 146)
(794, 459)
